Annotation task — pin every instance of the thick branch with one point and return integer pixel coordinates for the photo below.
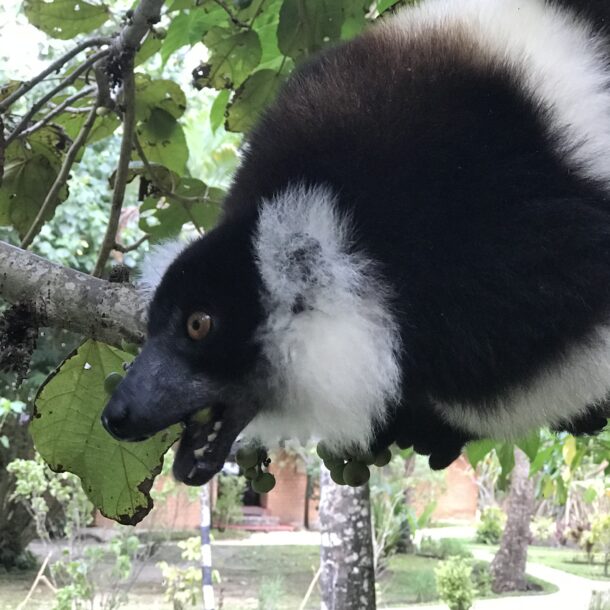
(65, 298)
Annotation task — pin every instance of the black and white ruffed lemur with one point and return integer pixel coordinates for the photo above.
(415, 248)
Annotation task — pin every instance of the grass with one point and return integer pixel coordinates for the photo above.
(244, 571)
(569, 560)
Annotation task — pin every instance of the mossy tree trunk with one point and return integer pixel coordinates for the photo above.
(508, 566)
(348, 571)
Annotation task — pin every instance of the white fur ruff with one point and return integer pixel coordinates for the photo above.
(556, 57)
(579, 381)
(334, 365)
(156, 262)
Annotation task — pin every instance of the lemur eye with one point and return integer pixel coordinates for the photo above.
(198, 325)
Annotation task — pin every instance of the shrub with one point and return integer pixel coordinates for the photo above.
(270, 593)
(443, 548)
(454, 584)
(423, 585)
(491, 526)
(600, 537)
(227, 509)
(543, 529)
(481, 578)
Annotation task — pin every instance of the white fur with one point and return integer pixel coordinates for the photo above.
(555, 56)
(156, 262)
(334, 367)
(560, 393)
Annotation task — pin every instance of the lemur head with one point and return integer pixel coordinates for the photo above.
(274, 321)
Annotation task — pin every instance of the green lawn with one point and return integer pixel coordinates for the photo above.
(569, 560)
(244, 571)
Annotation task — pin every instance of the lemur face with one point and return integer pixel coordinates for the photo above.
(200, 352)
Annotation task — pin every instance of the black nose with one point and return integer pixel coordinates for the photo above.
(117, 421)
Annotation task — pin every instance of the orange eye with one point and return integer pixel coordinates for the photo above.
(198, 325)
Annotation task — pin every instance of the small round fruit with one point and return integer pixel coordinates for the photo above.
(323, 451)
(102, 111)
(202, 417)
(130, 348)
(240, 5)
(252, 473)
(333, 463)
(356, 474)
(112, 381)
(247, 457)
(336, 474)
(160, 33)
(264, 484)
(383, 458)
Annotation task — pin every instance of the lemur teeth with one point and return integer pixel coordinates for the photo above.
(212, 436)
(217, 425)
(198, 453)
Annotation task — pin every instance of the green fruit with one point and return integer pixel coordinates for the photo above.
(247, 457)
(356, 474)
(102, 111)
(160, 33)
(337, 475)
(334, 463)
(240, 5)
(202, 417)
(264, 484)
(112, 381)
(323, 451)
(130, 348)
(252, 473)
(383, 458)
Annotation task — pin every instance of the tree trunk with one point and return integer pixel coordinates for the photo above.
(508, 566)
(348, 571)
(600, 600)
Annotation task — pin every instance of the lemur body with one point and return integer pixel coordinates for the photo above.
(415, 248)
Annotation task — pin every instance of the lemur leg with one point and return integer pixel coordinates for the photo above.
(419, 426)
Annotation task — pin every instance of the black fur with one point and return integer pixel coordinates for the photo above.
(497, 251)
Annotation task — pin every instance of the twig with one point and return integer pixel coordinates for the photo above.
(65, 83)
(54, 67)
(58, 110)
(312, 584)
(62, 178)
(122, 172)
(43, 567)
(223, 5)
(124, 249)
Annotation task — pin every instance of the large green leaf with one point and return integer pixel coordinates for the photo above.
(306, 26)
(163, 141)
(30, 170)
(530, 445)
(67, 432)
(234, 55)
(251, 99)
(65, 18)
(476, 451)
(163, 94)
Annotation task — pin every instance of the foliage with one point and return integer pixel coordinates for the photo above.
(490, 526)
(543, 529)
(481, 578)
(443, 548)
(182, 584)
(227, 509)
(69, 405)
(454, 584)
(600, 537)
(270, 593)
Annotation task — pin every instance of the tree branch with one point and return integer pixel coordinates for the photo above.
(64, 298)
(54, 67)
(122, 172)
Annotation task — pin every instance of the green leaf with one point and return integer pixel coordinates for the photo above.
(569, 450)
(306, 26)
(163, 94)
(149, 47)
(506, 457)
(384, 5)
(179, 5)
(67, 432)
(476, 451)
(21, 196)
(354, 18)
(234, 56)
(9, 88)
(219, 107)
(251, 99)
(590, 495)
(530, 445)
(65, 19)
(542, 459)
(72, 123)
(163, 141)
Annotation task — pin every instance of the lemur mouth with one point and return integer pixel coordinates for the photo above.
(206, 443)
